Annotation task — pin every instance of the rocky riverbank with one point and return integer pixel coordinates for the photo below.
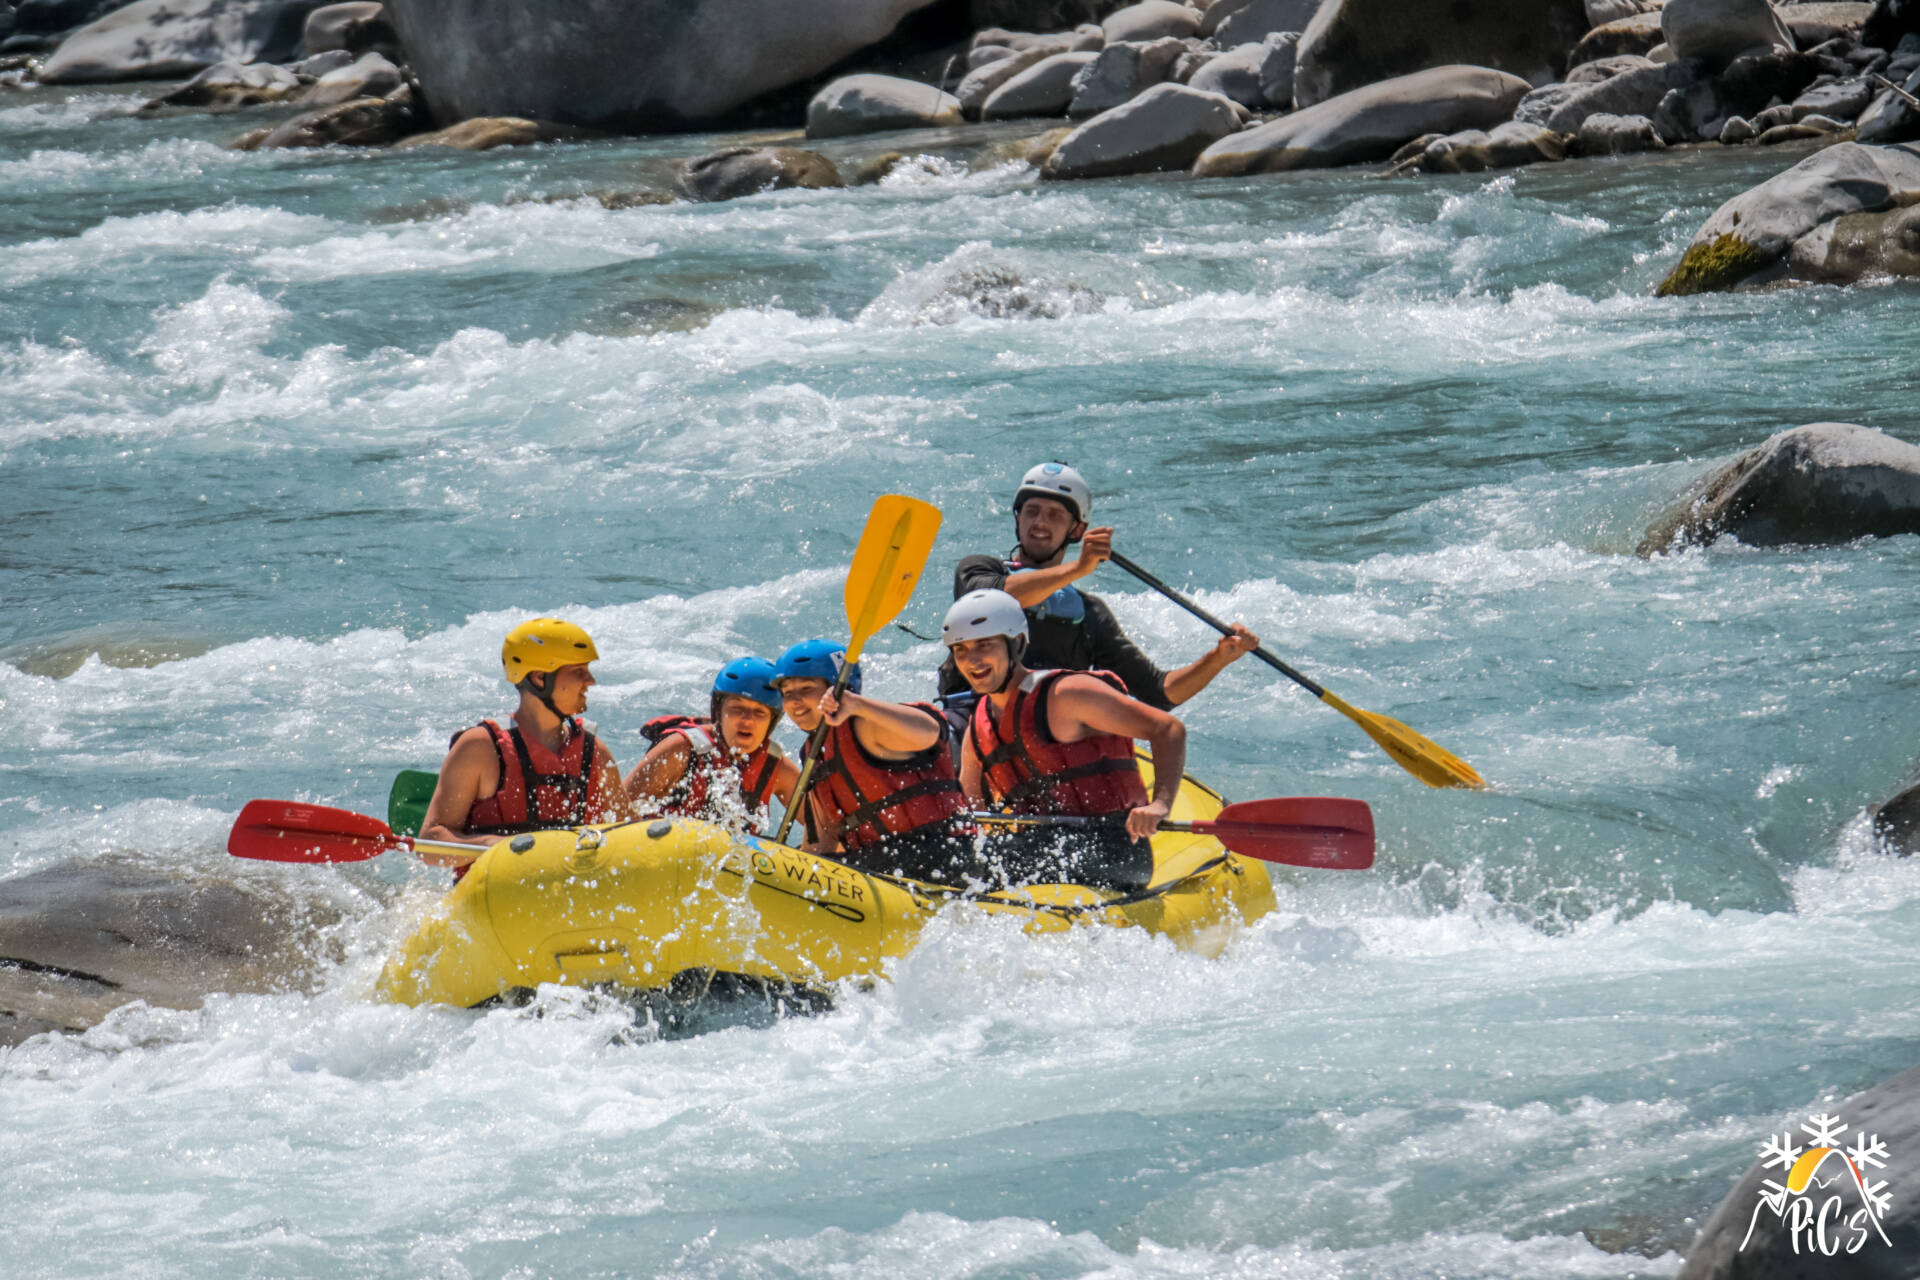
(1210, 88)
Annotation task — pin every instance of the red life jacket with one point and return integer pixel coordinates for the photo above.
(538, 790)
(873, 799)
(710, 761)
(1029, 772)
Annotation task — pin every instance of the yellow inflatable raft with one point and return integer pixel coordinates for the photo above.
(634, 905)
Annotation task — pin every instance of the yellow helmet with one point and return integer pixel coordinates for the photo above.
(545, 644)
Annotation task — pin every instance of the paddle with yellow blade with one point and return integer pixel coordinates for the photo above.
(1422, 757)
(886, 566)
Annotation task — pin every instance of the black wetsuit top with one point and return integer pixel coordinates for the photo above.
(1058, 640)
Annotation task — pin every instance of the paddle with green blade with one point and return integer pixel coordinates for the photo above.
(407, 802)
(886, 567)
(1325, 832)
(1420, 756)
(288, 831)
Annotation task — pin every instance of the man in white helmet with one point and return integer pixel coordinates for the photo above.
(1071, 629)
(1059, 743)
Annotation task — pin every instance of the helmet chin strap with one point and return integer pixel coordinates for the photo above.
(543, 694)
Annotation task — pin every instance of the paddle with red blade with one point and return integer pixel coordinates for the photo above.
(287, 831)
(1326, 832)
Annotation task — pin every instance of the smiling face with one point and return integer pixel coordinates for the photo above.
(800, 696)
(983, 663)
(1045, 527)
(744, 723)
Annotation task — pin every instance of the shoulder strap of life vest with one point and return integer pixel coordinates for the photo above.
(515, 804)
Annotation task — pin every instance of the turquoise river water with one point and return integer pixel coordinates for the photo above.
(288, 440)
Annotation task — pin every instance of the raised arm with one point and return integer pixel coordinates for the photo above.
(1198, 674)
(1031, 586)
(883, 728)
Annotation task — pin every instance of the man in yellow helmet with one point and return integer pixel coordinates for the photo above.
(545, 770)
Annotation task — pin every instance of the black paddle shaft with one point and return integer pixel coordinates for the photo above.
(815, 741)
(1225, 630)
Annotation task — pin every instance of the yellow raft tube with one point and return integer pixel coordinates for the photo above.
(633, 905)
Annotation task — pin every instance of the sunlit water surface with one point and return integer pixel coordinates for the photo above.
(290, 439)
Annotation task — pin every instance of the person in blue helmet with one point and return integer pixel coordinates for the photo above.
(1071, 629)
(723, 766)
(885, 794)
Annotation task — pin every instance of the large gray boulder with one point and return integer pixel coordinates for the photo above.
(357, 27)
(1123, 70)
(1897, 822)
(626, 65)
(1634, 92)
(170, 39)
(362, 122)
(1369, 123)
(1600, 12)
(1858, 246)
(79, 940)
(1608, 135)
(1351, 43)
(1748, 239)
(484, 133)
(226, 86)
(1638, 33)
(876, 104)
(1505, 146)
(1830, 482)
(1238, 22)
(1746, 1239)
(1044, 89)
(978, 84)
(1718, 31)
(1814, 24)
(1237, 75)
(1277, 67)
(1890, 117)
(1150, 20)
(746, 171)
(368, 76)
(40, 25)
(1163, 128)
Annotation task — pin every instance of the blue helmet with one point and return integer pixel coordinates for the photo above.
(818, 660)
(746, 678)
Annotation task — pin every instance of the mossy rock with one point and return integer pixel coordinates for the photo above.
(1713, 266)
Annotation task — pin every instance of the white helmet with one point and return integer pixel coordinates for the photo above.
(980, 614)
(1060, 482)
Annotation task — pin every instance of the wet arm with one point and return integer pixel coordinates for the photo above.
(1031, 586)
(1196, 675)
(615, 805)
(972, 781)
(1081, 706)
(658, 770)
(454, 795)
(888, 728)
